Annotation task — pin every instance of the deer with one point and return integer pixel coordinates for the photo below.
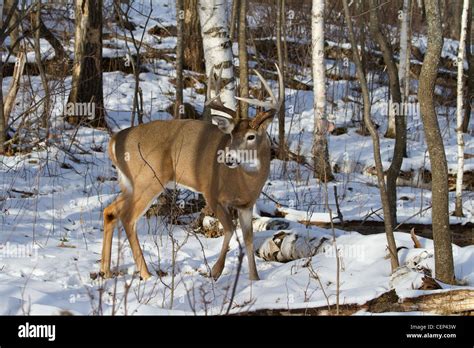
(200, 156)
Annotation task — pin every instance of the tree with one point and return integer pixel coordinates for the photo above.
(193, 51)
(234, 15)
(322, 167)
(218, 47)
(404, 64)
(87, 67)
(281, 63)
(15, 32)
(392, 247)
(470, 71)
(40, 29)
(243, 60)
(459, 109)
(9, 24)
(178, 105)
(439, 170)
(454, 11)
(36, 26)
(396, 99)
(403, 68)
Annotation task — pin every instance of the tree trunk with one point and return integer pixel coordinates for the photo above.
(470, 71)
(35, 23)
(402, 69)
(193, 51)
(218, 47)
(392, 247)
(44, 32)
(3, 126)
(459, 110)
(14, 86)
(178, 105)
(322, 168)
(234, 15)
(439, 170)
(454, 18)
(243, 59)
(281, 64)
(87, 69)
(404, 65)
(396, 98)
(15, 33)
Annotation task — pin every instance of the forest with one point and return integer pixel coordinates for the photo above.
(236, 157)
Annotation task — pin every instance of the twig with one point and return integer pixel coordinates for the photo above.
(339, 213)
(239, 267)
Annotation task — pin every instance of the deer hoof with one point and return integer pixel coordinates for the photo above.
(216, 272)
(145, 276)
(106, 274)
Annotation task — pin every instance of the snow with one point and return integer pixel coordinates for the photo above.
(53, 196)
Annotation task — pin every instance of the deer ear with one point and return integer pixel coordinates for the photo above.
(225, 124)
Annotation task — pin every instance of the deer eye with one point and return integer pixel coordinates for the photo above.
(251, 137)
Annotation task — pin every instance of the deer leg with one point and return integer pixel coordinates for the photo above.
(245, 219)
(226, 220)
(136, 206)
(110, 221)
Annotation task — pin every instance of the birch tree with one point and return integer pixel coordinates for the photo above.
(217, 46)
(439, 170)
(404, 65)
(243, 59)
(459, 107)
(280, 23)
(322, 168)
(470, 69)
(178, 105)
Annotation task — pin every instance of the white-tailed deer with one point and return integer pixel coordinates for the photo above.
(228, 163)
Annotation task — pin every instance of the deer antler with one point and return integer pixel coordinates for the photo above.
(216, 102)
(274, 105)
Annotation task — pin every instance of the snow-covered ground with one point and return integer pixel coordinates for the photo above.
(52, 200)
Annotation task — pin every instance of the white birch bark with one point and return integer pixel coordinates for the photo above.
(404, 66)
(460, 109)
(319, 71)
(321, 125)
(217, 46)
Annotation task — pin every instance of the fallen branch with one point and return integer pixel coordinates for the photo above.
(415, 239)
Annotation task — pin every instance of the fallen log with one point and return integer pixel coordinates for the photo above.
(459, 302)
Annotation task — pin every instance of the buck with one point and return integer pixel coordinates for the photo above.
(150, 157)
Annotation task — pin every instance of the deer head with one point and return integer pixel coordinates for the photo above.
(247, 136)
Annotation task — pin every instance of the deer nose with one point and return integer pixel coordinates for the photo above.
(231, 159)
